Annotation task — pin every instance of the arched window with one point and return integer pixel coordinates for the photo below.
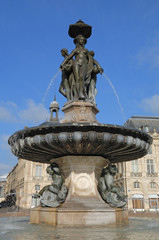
(146, 128)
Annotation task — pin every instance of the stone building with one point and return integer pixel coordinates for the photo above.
(2, 187)
(26, 179)
(142, 182)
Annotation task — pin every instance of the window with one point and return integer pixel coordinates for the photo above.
(135, 166)
(152, 184)
(1, 191)
(146, 128)
(150, 166)
(38, 171)
(150, 150)
(138, 202)
(154, 203)
(136, 185)
(37, 187)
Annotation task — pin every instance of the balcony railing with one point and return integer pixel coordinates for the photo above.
(37, 178)
(152, 174)
(136, 174)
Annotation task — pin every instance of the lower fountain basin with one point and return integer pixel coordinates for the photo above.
(49, 140)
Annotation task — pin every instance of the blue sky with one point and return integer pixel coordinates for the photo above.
(125, 39)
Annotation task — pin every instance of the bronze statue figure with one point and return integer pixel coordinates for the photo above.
(79, 81)
(109, 190)
(54, 194)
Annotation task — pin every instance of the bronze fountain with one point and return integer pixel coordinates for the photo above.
(82, 152)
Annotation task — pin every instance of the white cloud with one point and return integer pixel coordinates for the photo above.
(8, 111)
(5, 114)
(4, 168)
(151, 104)
(34, 112)
(4, 142)
(149, 54)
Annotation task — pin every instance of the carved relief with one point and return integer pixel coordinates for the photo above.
(83, 184)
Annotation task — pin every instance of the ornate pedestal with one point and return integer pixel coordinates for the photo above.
(79, 111)
(83, 206)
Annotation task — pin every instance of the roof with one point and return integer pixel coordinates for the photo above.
(54, 104)
(140, 122)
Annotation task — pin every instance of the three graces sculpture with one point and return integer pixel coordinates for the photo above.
(79, 68)
(79, 76)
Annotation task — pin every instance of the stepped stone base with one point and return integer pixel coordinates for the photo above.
(80, 212)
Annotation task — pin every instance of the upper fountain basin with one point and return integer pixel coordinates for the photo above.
(50, 140)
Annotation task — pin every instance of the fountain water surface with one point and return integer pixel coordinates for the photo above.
(81, 151)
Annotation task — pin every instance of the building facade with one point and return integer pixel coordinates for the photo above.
(26, 179)
(139, 177)
(2, 187)
(142, 175)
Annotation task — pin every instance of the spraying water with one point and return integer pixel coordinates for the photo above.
(50, 84)
(122, 110)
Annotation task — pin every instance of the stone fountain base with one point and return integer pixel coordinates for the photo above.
(79, 217)
(84, 205)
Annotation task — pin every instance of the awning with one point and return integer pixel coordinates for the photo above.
(153, 196)
(137, 195)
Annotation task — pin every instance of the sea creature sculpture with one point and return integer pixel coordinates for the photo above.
(109, 190)
(55, 194)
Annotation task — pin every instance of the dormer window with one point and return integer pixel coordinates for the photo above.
(145, 128)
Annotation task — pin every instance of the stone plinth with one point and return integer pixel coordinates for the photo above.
(84, 205)
(81, 216)
(44, 215)
(79, 112)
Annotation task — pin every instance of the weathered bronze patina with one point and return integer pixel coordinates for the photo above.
(109, 190)
(55, 194)
(79, 69)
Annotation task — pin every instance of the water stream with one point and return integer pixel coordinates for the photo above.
(50, 84)
(112, 86)
(105, 76)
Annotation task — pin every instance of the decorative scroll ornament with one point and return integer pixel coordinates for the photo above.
(109, 190)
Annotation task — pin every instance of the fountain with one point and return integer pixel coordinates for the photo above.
(81, 151)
